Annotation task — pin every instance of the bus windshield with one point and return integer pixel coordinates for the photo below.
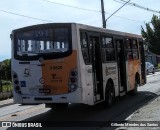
(42, 42)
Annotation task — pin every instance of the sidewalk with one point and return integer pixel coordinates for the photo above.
(149, 112)
(6, 102)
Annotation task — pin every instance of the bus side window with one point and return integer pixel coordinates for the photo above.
(108, 51)
(129, 49)
(84, 46)
(135, 49)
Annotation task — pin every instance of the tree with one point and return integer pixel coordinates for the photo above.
(152, 34)
(6, 69)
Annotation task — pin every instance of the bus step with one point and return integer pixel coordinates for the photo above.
(97, 97)
(122, 94)
(121, 89)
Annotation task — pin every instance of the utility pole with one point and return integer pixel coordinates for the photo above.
(103, 14)
(104, 20)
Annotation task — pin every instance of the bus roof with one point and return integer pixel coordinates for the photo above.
(85, 27)
(109, 31)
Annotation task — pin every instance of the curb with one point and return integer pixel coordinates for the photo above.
(5, 95)
(7, 102)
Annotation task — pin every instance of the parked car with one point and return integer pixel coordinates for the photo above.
(149, 68)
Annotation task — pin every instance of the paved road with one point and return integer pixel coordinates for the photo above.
(121, 110)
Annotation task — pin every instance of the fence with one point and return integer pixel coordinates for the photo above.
(5, 90)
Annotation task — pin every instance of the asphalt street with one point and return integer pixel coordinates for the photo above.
(130, 108)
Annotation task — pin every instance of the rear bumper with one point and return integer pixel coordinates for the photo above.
(73, 97)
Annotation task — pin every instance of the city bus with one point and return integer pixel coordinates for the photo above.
(62, 63)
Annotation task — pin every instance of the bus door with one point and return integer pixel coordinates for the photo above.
(143, 69)
(96, 60)
(121, 60)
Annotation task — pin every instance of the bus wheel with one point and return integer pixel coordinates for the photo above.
(57, 106)
(147, 72)
(109, 95)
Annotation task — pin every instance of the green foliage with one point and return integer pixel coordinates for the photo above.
(159, 66)
(6, 69)
(6, 86)
(152, 34)
(6, 82)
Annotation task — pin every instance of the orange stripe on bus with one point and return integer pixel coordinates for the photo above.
(133, 67)
(56, 73)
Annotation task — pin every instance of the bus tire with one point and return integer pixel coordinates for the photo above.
(57, 106)
(153, 72)
(147, 72)
(109, 94)
(135, 90)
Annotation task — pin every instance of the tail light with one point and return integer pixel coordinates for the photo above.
(73, 73)
(73, 80)
(16, 83)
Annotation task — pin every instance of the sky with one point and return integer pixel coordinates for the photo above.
(128, 19)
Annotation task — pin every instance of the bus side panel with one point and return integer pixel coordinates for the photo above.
(17, 97)
(86, 76)
(133, 68)
(87, 84)
(110, 71)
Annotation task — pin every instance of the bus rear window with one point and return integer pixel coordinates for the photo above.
(42, 42)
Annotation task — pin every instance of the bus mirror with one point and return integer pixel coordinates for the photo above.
(11, 36)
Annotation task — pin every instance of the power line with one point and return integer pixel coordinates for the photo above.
(30, 17)
(129, 19)
(117, 10)
(24, 16)
(91, 10)
(138, 6)
(76, 7)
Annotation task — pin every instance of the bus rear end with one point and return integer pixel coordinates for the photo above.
(44, 65)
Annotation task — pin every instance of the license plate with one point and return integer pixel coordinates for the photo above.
(44, 91)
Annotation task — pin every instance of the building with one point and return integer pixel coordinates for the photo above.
(153, 58)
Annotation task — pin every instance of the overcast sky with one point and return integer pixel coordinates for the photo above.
(128, 19)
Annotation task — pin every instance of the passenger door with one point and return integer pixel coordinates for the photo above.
(96, 61)
(121, 59)
(143, 66)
